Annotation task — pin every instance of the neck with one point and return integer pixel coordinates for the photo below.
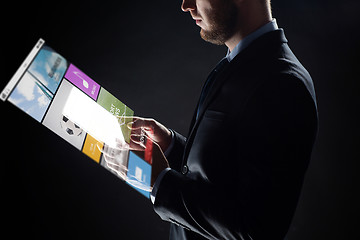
(248, 22)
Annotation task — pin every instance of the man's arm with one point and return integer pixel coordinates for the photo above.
(176, 147)
(264, 156)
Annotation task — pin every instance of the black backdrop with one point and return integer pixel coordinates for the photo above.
(149, 54)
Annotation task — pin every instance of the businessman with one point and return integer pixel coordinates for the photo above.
(239, 172)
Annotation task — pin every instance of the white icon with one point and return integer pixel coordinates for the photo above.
(138, 173)
(85, 83)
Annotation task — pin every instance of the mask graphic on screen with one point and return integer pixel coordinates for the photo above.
(69, 127)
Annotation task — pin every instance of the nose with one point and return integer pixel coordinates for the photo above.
(188, 5)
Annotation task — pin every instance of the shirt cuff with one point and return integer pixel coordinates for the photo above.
(157, 183)
(171, 146)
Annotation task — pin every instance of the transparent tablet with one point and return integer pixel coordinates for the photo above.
(64, 99)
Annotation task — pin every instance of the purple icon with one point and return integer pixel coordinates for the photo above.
(82, 81)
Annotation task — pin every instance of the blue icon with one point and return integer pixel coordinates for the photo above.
(139, 174)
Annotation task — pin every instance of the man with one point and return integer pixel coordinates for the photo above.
(239, 172)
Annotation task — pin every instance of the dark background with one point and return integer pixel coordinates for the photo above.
(149, 55)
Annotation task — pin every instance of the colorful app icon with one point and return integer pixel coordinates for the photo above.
(92, 148)
(139, 174)
(118, 109)
(82, 81)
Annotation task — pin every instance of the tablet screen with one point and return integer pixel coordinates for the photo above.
(67, 101)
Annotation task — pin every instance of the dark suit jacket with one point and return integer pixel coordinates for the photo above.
(239, 173)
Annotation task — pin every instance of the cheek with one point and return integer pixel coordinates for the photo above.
(205, 11)
(207, 21)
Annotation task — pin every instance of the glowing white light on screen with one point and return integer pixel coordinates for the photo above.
(93, 118)
(138, 173)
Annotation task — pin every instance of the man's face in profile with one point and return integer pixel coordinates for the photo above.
(216, 18)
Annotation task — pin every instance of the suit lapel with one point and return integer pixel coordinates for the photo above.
(218, 82)
(255, 50)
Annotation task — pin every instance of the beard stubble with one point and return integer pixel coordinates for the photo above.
(222, 24)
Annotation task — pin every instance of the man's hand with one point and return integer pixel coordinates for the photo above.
(159, 133)
(148, 133)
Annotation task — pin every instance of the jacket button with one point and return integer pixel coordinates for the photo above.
(184, 169)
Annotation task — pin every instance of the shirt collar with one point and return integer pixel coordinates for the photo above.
(268, 27)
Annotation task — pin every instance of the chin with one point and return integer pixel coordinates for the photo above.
(212, 37)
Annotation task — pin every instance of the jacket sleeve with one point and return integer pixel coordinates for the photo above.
(176, 154)
(253, 192)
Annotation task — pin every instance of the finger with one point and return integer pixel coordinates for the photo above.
(143, 136)
(138, 122)
(137, 138)
(137, 142)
